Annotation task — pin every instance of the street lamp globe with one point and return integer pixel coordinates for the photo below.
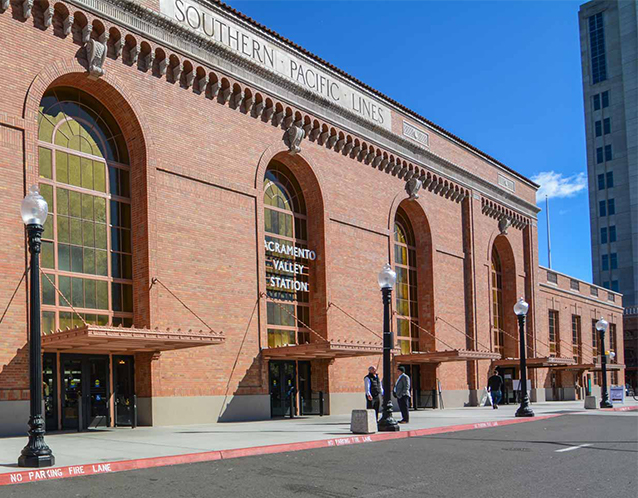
(387, 277)
(521, 307)
(601, 325)
(34, 208)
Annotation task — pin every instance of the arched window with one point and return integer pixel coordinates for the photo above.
(407, 305)
(286, 258)
(86, 247)
(497, 302)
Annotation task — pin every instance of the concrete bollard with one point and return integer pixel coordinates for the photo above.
(591, 403)
(363, 422)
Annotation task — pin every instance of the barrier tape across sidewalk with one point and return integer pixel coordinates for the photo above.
(36, 475)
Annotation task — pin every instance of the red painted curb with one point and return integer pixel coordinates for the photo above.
(620, 409)
(25, 476)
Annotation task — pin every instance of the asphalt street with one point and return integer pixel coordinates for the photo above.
(570, 456)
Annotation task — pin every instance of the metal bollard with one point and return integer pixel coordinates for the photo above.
(134, 414)
(80, 412)
(321, 403)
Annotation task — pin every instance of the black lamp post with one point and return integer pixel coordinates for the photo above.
(601, 327)
(36, 453)
(520, 308)
(387, 278)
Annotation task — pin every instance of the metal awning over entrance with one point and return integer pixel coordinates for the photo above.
(121, 340)
(323, 350)
(446, 356)
(542, 362)
(611, 367)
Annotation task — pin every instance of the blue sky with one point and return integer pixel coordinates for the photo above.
(504, 76)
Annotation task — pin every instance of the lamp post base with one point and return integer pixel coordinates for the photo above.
(36, 461)
(388, 425)
(524, 411)
(605, 403)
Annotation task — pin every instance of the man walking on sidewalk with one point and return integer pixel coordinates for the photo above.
(374, 390)
(494, 386)
(402, 393)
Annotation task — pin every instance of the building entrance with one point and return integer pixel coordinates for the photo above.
(290, 385)
(509, 395)
(414, 372)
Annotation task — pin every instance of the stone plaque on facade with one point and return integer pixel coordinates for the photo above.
(506, 182)
(299, 70)
(415, 134)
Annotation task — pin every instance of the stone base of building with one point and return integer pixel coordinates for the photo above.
(14, 416)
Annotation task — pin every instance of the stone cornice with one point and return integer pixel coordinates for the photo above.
(168, 33)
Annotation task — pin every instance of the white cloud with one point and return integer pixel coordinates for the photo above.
(555, 185)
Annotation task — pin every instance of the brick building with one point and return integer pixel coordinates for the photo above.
(221, 202)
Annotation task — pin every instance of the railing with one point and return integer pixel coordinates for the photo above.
(632, 310)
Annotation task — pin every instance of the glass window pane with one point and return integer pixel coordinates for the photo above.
(87, 207)
(127, 266)
(115, 239)
(100, 236)
(64, 261)
(63, 229)
(99, 176)
(74, 171)
(116, 296)
(64, 284)
(61, 167)
(48, 291)
(126, 240)
(126, 216)
(89, 261)
(102, 289)
(63, 201)
(77, 259)
(45, 162)
(46, 256)
(76, 231)
(48, 228)
(65, 320)
(116, 271)
(75, 204)
(124, 183)
(87, 173)
(48, 322)
(127, 297)
(88, 232)
(100, 209)
(89, 293)
(77, 292)
(114, 181)
(47, 192)
(101, 263)
(115, 213)
(45, 130)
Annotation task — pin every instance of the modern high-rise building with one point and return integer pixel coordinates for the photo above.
(609, 55)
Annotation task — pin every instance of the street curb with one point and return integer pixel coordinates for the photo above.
(620, 409)
(36, 475)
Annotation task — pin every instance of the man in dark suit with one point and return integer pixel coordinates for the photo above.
(402, 393)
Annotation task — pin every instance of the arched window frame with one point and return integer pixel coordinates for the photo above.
(288, 313)
(406, 299)
(116, 239)
(497, 303)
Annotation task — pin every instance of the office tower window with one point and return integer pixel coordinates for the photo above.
(603, 235)
(608, 156)
(606, 266)
(597, 48)
(606, 284)
(613, 261)
(610, 179)
(597, 102)
(598, 125)
(607, 126)
(605, 99)
(614, 285)
(599, 155)
(602, 208)
(601, 181)
(611, 207)
(612, 233)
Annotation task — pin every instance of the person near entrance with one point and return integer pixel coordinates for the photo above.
(374, 390)
(495, 388)
(402, 393)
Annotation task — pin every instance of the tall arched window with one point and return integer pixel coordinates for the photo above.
(407, 305)
(497, 302)
(286, 258)
(85, 178)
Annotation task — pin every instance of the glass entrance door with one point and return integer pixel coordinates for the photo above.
(97, 398)
(123, 390)
(49, 391)
(282, 387)
(414, 372)
(71, 391)
(305, 388)
(509, 395)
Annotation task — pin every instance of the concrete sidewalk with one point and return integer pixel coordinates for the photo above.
(125, 444)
